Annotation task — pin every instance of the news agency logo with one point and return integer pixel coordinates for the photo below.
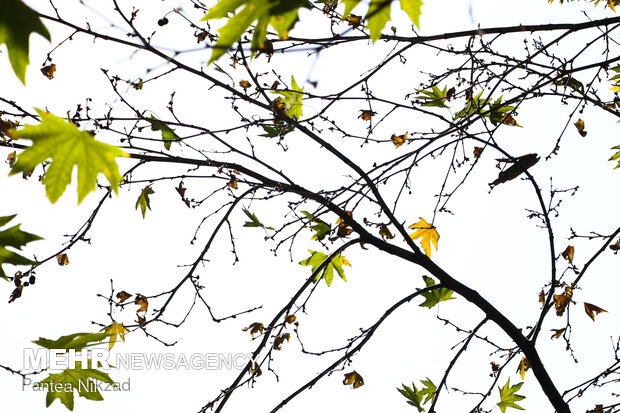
(98, 358)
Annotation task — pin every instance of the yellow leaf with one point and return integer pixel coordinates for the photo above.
(428, 233)
(400, 139)
(366, 114)
(593, 310)
(568, 253)
(277, 343)
(477, 152)
(353, 378)
(523, 367)
(256, 370)
(385, 233)
(344, 261)
(115, 329)
(233, 183)
(561, 302)
(62, 259)
(616, 87)
(290, 319)
(245, 84)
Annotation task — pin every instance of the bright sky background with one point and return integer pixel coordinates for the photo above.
(143, 255)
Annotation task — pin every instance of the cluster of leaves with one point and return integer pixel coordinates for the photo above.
(419, 397)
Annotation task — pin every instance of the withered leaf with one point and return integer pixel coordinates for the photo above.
(580, 125)
(593, 310)
(122, 296)
(277, 344)
(353, 378)
(254, 328)
(557, 333)
(49, 70)
(366, 114)
(569, 253)
(385, 233)
(245, 84)
(399, 140)
(478, 151)
(233, 183)
(63, 259)
(142, 302)
(290, 319)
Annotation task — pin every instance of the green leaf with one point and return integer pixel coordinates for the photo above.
(435, 296)
(167, 134)
(497, 113)
(616, 156)
(413, 8)
(572, 83)
(282, 14)
(429, 390)
(317, 257)
(254, 221)
(321, 227)
(77, 341)
(414, 397)
(60, 386)
(292, 100)
(278, 131)
(434, 97)
(17, 22)
(67, 146)
(13, 237)
(144, 201)
(508, 397)
(349, 5)
(378, 16)
(474, 105)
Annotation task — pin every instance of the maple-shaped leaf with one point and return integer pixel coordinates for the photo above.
(62, 259)
(254, 221)
(144, 201)
(317, 257)
(60, 386)
(570, 82)
(122, 296)
(616, 156)
(291, 104)
(592, 310)
(557, 332)
(321, 227)
(413, 396)
(281, 14)
(17, 23)
(427, 232)
(77, 341)
(378, 15)
(508, 398)
(13, 237)
(67, 146)
(562, 301)
(113, 330)
(433, 97)
(435, 296)
(500, 114)
(353, 378)
(167, 133)
(413, 8)
(399, 140)
(429, 390)
(278, 131)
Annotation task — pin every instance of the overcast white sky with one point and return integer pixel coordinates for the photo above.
(505, 260)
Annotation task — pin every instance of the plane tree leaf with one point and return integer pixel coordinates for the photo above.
(17, 23)
(321, 227)
(416, 397)
(508, 396)
(67, 147)
(61, 386)
(291, 103)
(281, 14)
(616, 156)
(254, 222)
(115, 329)
(379, 13)
(13, 237)
(144, 201)
(167, 133)
(316, 258)
(427, 232)
(77, 341)
(435, 296)
(434, 97)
